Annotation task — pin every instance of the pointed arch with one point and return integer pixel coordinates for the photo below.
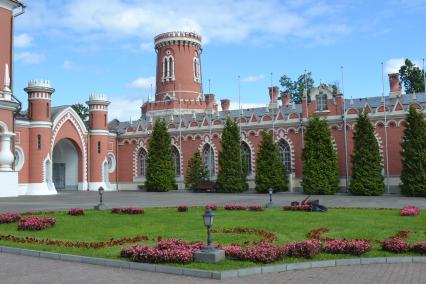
(209, 154)
(250, 155)
(140, 158)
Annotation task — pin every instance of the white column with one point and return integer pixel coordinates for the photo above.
(6, 156)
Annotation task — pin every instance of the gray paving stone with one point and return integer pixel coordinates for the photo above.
(70, 257)
(117, 263)
(50, 255)
(325, 263)
(403, 259)
(274, 268)
(295, 266)
(225, 274)
(11, 250)
(143, 266)
(249, 271)
(29, 252)
(375, 260)
(92, 260)
(197, 273)
(351, 261)
(169, 269)
(419, 259)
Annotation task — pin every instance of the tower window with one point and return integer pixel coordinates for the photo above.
(105, 120)
(168, 68)
(197, 71)
(38, 142)
(47, 110)
(322, 102)
(99, 147)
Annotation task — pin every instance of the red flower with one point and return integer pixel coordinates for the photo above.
(76, 211)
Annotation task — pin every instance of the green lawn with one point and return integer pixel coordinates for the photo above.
(168, 223)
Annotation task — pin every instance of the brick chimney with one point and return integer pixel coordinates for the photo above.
(225, 104)
(274, 93)
(394, 85)
(285, 99)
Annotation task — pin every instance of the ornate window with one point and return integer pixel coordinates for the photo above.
(208, 155)
(322, 102)
(197, 70)
(176, 160)
(142, 161)
(19, 158)
(246, 157)
(285, 155)
(168, 68)
(38, 142)
(112, 163)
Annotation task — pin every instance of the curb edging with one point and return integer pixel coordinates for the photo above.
(219, 275)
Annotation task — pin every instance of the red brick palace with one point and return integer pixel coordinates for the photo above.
(48, 148)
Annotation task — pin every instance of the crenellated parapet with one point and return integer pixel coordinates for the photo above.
(177, 38)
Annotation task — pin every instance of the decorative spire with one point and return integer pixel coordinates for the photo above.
(6, 79)
(351, 103)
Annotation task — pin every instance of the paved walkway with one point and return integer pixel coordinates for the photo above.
(65, 200)
(20, 269)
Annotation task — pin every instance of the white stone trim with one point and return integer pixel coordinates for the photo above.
(21, 163)
(215, 152)
(114, 162)
(282, 135)
(33, 124)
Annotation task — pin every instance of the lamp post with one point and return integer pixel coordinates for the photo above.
(101, 204)
(270, 191)
(208, 218)
(209, 254)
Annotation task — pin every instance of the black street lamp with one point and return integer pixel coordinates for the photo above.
(208, 218)
(101, 204)
(270, 195)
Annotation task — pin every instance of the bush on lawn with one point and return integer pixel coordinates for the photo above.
(297, 208)
(396, 245)
(182, 208)
(76, 212)
(9, 217)
(419, 247)
(235, 207)
(129, 210)
(264, 253)
(211, 206)
(166, 251)
(353, 247)
(305, 249)
(32, 223)
(255, 208)
(409, 211)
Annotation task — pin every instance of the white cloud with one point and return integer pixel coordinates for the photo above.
(252, 79)
(29, 57)
(68, 65)
(147, 46)
(234, 21)
(143, 83)
(22, 40)
(124, 108)
(393, 64)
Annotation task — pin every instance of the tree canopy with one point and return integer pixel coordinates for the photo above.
(412, 77)
(82, 111)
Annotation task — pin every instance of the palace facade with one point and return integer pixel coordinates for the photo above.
(48, 148)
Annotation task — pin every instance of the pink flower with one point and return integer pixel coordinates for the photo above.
(396, 245)
(212, 206)
(419, 247)
(9, 217)
(129, 210)
(354, 247)
(32, 223)
(306, 249)
(182, 208)
(76, 211)
(256, 207)
(235, 207)
(409, 211)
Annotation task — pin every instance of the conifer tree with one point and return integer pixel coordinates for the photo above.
(367, 178)
(320, 169)
(196, 173)
(413, 175)
(231, 173)
(270, 171)
(160, 172)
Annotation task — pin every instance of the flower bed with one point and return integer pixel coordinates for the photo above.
(409, 211)
(76, 212)
(419, 247)
(212, 206)
(297, 208)
(9, 217)
(166, 251)
(182, 208)
(305, 249)
(235, 207)
(32, 223)
(129, 210)
(396, 245)
(353, 247)
(78, 244)
(263, 252)
(255, 208)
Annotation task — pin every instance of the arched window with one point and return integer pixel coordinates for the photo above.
(246, 157)
(322, 102)
(168, 68)
(142, 163)
(171, 71)
(176, 160)
(208, 155)
(285, 155)
(197, 69)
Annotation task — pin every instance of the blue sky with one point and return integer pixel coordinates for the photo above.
(106, 46)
